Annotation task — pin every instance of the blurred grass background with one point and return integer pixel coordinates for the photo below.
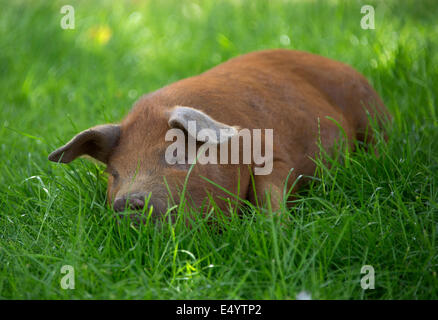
(55, 82)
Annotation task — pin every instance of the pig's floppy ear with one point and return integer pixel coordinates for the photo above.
(96, 142)
(221, 132)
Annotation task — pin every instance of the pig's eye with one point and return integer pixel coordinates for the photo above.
(112, 172)
(115, 174)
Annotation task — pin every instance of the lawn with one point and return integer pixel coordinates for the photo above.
(364, 210)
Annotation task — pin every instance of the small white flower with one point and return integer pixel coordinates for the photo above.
(132, 94)
(284, 40)
(304, 295)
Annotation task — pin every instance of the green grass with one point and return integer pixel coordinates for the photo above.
(363, 211)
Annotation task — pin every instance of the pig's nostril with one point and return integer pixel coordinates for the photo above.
(119, 204)
(136, 204)
(132, 202)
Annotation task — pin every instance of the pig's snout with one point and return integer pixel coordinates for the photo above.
(123, 203)
(137, 202)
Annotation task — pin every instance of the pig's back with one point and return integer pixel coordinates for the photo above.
(276, 89)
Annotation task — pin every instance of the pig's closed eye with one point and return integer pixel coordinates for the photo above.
(178, 166)
(183, 165)
(112, 172)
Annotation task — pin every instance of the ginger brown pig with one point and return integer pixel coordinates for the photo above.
(302, 97)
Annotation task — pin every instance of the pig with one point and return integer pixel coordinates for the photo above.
(304, 98)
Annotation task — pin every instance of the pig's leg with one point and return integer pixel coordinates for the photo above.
(272, 186)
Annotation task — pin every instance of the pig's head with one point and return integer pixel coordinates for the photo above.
(134, 153)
